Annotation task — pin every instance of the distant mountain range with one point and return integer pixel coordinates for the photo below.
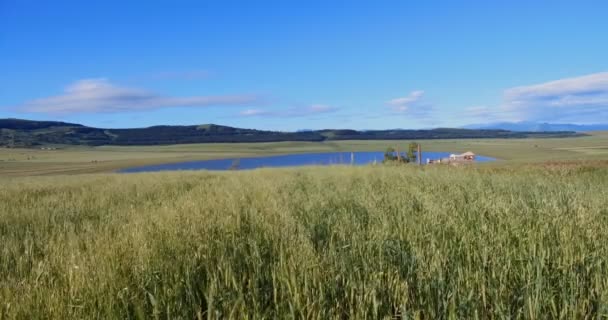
(539, 126)
(26, 133)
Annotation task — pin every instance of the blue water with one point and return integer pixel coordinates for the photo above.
(290, 160)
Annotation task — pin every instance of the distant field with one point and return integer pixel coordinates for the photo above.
(382, 242)
(74, 160)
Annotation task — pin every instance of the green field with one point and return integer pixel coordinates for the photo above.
(74, 160)
(524, 237)
(316, 242)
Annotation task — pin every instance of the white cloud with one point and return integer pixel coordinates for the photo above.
(404, 104)
(578, 100)
(581, 100)
(252, 112)
(585, 85)
(412, 105)
(99, 95)
(291, 112)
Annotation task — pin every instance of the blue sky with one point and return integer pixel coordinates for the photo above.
(290, 65)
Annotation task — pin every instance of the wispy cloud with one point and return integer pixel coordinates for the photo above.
(578, 86)
(310, 110)
(253, 112)
(413, 105)
(404, 103)
(579, 99)
(99, 95)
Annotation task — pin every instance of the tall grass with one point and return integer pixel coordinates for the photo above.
(319, 243)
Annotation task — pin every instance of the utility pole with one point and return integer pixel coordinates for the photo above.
(419, 154)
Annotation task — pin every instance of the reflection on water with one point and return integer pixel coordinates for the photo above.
(290, 160)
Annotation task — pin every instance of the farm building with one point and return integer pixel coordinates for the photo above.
(466, 157)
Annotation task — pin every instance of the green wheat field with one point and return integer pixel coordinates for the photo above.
(376, 242)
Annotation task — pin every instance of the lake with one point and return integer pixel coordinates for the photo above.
(290, 160)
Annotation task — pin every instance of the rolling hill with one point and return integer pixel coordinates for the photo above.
(26, 133)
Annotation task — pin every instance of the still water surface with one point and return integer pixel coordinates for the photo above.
(290, 160)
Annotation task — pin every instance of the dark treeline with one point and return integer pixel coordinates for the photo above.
(25, 133)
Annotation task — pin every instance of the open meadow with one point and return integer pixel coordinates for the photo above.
(520, 238)
(77, 160)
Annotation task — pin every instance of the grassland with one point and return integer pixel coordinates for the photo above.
(520, 238)
(318, 243)
(76, 160)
